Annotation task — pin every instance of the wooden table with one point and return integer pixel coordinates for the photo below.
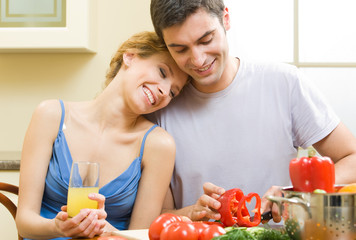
(141, 234)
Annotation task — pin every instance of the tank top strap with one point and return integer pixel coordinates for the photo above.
(62, 117)
(144, 139)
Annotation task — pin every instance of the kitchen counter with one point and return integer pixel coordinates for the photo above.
(10, 160)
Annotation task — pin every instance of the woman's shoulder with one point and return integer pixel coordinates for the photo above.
(47, 115)
(159, 140)
(159, 148)
(49, 109)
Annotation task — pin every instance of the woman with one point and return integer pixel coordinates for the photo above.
(112, 131)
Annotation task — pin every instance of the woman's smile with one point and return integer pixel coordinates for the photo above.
(149, 95)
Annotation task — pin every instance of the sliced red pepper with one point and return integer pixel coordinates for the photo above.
(310, 173)
(230, 201)
(245, 220)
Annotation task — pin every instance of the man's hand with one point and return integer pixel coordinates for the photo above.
(267, 205)
(207, 205)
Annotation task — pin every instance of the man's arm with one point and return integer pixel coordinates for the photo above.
(340, 146)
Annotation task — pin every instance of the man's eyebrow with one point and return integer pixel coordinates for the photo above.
(182, 45)
(206, 34)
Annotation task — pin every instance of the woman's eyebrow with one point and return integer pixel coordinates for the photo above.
(170, 69)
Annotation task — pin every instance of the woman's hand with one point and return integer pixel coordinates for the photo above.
(84, 224)
(207, 205)
(88, 223)
(101, 213)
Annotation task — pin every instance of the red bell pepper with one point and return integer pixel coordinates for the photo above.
(245, 221)
(310, 173)
(233, 208)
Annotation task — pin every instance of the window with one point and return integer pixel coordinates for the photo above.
(318, 36)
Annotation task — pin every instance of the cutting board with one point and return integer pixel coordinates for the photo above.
(141, 234)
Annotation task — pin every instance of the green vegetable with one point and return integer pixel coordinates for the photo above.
(319, 191)
(253, 233)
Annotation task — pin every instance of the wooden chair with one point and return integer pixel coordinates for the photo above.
(6, 201)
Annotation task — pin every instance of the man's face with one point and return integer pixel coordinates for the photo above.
(199, 46)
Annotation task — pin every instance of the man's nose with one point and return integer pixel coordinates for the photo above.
(197, 58)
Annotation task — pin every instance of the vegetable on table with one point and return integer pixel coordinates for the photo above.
(349, 188)
(172, 227)
(179, 231)
(310, 173)
(233, 208)
(211, 232)
(253, 233)
(160, 223)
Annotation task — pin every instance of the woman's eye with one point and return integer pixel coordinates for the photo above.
(163, 72)
(181, 50)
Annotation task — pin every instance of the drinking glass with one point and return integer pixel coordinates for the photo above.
(84, 179)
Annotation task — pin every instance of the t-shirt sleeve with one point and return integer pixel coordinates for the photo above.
(313, 118)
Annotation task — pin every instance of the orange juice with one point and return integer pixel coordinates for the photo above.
(78, 199)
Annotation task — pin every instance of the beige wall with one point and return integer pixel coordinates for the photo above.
(28, 78)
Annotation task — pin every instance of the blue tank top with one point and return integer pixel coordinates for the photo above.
(120, 193)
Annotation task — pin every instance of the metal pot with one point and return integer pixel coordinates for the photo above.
(323, 216)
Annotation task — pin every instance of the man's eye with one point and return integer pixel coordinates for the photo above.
(163, 73)
(207, 42)
(172, 94)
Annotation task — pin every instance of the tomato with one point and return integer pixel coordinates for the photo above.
(160, 223)
(180, 231)
(200, 226)
(211, 232)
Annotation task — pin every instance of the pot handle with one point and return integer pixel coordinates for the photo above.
(295, 200)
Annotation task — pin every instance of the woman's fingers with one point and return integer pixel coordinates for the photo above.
(99, 198)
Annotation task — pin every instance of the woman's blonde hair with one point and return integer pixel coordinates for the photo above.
(144, 44)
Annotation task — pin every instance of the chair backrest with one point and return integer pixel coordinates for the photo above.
(6, 201)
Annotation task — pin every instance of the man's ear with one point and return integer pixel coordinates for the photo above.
(226, 19)
(127, 58)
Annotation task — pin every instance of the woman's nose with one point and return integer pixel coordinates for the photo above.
(164, 88)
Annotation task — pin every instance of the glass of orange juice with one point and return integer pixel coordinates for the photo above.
(84, 179)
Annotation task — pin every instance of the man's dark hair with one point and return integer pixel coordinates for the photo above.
(166, 13)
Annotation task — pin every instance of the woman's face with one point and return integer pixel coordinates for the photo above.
(158, 80)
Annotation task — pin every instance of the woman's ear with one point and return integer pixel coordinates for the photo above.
(127, 57)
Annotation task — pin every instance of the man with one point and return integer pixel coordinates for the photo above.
(237, 124)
